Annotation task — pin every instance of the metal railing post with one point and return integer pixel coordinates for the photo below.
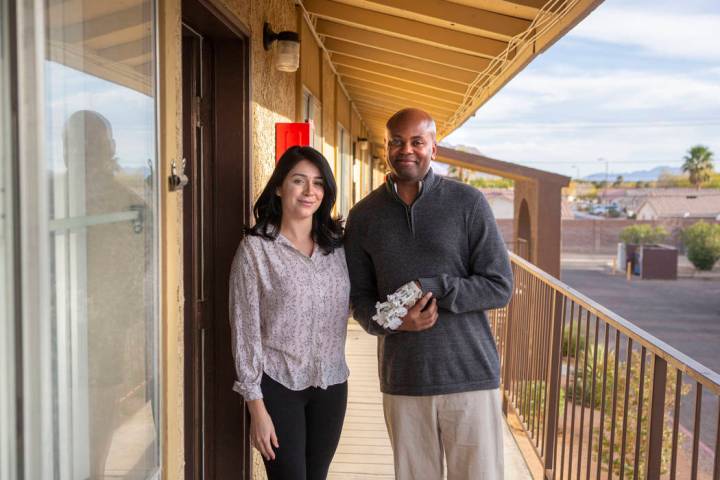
(553, 385)
(656, 415)
(507, 346)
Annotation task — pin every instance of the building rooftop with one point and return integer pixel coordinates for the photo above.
(702, 206)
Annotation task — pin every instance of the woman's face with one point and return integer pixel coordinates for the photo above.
(302, 191)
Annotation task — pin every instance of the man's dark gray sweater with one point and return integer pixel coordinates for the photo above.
(449, 241)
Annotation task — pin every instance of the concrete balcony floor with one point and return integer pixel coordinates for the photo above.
(364, 451)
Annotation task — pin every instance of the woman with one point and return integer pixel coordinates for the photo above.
(289, 305)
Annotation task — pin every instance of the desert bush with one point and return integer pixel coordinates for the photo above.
(642, 234)
(570, 344)
(702, 243)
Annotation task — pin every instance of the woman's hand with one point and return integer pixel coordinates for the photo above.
(262, 430)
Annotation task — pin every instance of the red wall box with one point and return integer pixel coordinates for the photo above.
(290, 134)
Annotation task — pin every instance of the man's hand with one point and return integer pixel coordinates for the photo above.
(418, 317)
(262, 430)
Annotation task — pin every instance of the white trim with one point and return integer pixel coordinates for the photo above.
(33, 228)
(8, 413)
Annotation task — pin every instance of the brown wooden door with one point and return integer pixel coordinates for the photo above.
(216, 205)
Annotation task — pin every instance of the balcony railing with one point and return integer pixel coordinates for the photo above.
(598, 397)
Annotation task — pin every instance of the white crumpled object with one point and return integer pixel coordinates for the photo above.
(390, 312)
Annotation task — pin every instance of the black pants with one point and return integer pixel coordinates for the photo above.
(308, 425)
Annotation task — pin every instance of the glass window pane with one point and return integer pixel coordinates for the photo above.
(347, 173)
(100, 142)
(343, 179)
(316, 116)
(312, 110)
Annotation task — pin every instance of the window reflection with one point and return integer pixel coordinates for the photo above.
(101, 144)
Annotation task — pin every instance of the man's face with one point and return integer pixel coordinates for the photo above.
(410, 146)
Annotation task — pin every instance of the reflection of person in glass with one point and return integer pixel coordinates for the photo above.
(114, 267)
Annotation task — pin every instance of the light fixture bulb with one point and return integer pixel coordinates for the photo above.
(287, 55)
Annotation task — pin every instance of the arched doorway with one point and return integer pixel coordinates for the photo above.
(524, 234)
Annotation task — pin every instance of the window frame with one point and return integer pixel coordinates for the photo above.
(35, 456)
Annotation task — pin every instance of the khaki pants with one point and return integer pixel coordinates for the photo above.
(465, 428)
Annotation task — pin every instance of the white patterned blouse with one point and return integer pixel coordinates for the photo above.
(288, 315)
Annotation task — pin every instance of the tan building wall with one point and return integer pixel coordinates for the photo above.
(544, 224)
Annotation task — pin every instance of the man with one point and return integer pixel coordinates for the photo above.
(439, 370)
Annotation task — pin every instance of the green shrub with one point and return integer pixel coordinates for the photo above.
(643, 234)
(702, 241)
(633, 404)
(570, 344)
(580, 392)
(533, 403)
(580, 387)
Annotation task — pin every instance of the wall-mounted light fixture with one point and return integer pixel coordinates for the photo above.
(363, 143)
(287, 51)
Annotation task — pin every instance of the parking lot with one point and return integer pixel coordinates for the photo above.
(684, 313)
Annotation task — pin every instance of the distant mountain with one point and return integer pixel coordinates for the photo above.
(639, 175)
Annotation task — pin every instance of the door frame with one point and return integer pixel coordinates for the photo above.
(214, 451)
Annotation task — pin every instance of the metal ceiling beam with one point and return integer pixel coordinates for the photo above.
(394, 59)
(402, 46)
(394, 104)
(449, 93)
(404, 92)
(512, 8)
(415, 76)
(390, 109)
(404, 28)
(365, 88)
(454, 16)
(388, 99)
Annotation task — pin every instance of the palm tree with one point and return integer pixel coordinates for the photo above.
(698, 164)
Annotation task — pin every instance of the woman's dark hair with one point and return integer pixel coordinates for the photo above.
(327, 232)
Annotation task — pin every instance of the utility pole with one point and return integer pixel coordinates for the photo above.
(607, 173)
(577, 171)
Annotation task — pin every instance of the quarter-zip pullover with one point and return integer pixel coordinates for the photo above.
(448, 240)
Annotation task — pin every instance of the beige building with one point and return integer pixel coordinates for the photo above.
(701, 207)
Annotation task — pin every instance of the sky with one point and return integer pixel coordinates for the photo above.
(632, 87)
(130, 113)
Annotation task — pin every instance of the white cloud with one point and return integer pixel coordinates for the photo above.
(626, 149)
(607, 91)
(562, 111)
(664, 34)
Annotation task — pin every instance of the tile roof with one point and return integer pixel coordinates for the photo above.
(703, 206)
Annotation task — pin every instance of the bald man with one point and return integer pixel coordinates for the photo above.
(439, 369)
